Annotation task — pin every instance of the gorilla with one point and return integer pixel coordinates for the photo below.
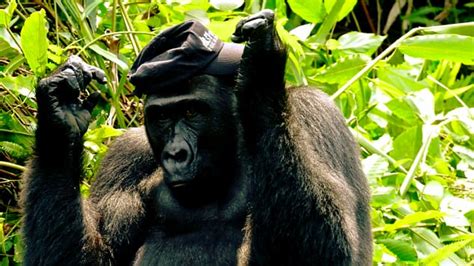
(226, 171)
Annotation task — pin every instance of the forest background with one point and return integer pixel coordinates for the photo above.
(399, 70)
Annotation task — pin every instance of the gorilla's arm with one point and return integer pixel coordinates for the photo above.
(60, 228)
(310, 197)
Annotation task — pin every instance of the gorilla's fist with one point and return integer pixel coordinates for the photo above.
(60, 111)
(256, 28)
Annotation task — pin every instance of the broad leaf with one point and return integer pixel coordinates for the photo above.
(342, 70)
(453, 47)
(427, 243)
(310, 10)
(459, 28)
(344, 11)
(403, 250)
(35, 43)
(226, 5)
(444, 252)
(7, 13)
(413, 218)
(110, 56)
(423, 102)
(433, 192)
(358, 42)
(407, 144)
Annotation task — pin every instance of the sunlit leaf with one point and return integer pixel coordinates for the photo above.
(433, 192)
(455, 208)
(342, 70)
(110, 56)
(101, 133)
(34, 42)
(359, 42)
(414, 218)
(383, 196)
(374, 166)
(226, 5)
(453, 47)
(310, 10)
(459, 28)
(303, 31)
(423, 101)
(444, 252)
(344, 11)
(403, 250)
(7, 13)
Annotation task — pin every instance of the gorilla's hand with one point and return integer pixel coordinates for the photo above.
(60, 111)
(255, 28)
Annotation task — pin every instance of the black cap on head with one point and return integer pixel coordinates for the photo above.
(181, 52)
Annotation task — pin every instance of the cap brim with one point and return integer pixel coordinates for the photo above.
(227, 61)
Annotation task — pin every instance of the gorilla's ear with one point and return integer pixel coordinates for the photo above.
(181, 52)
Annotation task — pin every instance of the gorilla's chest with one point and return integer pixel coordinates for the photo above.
(207, 235)
(209, 246)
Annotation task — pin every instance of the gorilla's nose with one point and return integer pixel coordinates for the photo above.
(176, 157)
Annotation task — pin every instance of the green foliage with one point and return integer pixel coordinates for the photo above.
(34, 42)
(452, 47)
(408, 99)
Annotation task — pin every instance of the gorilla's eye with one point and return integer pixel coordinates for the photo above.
(162, 117)
(190, 113)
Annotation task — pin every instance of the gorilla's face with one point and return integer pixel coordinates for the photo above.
(192, 131)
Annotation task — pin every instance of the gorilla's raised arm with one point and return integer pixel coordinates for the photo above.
(310, 198)
(59, 227)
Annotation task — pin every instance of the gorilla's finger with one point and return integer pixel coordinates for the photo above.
(91, 101)
(98, 74)
(69, 84)
(87, 72)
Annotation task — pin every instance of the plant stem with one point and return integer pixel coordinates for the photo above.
(372, 63)
(12, 165)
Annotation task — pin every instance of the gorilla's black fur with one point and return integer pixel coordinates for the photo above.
(285, 186)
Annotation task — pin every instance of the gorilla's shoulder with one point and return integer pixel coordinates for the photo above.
(131, 144)
(309, 98)
(128, 160)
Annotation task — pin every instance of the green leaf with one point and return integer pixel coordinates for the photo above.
(403, 250)
(346, 8)
(401, 78)
(459, 28)
(455, 209)
(444, 252)
(423, 102)
(413, 218)
(433, 192)
(22, 85)
(103, 132)
(342, 70)
(452, 47)
(110, 56)
(407, 144)
(383, 196)
(7, 13)
(224, 29)
(427, 242)
(310, 10)
(226, 5)
(401, 109)
(358, 42)
(374, 166)
(34, 42)
(302, 31)
(10, 42)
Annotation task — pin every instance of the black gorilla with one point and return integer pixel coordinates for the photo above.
(243, 174)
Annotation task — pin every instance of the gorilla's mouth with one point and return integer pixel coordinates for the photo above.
(179, 184)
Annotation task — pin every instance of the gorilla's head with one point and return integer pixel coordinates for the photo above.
(192, 128)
